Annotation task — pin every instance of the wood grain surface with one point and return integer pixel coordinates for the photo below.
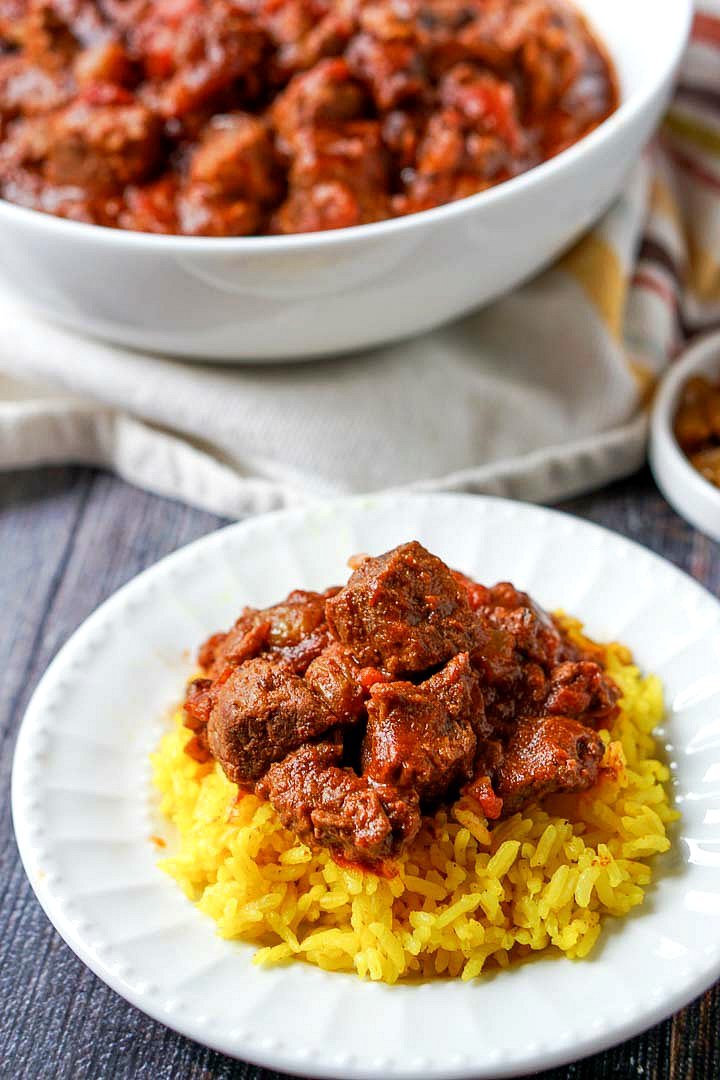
(68, 539)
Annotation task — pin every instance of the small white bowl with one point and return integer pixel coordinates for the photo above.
(694, 497)
(282, 297)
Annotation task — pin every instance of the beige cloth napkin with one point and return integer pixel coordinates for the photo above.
(539, 396)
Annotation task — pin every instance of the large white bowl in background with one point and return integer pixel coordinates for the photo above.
(266, 298)
(694, 497)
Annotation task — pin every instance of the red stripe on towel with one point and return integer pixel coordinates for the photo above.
(706, 28)
(695, 169)
(644, 279)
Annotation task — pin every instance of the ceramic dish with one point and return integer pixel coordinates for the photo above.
(694, 497)
(84, 811)
(282, 297)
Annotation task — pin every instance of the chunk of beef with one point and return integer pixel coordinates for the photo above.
(235, 157)
(28, 91)
(389, 21)
(288, 21)
(298, 657)
(337, 176)
(536, 634)
(473, 140)
(333, 674)
(403, 611)
(326, 36)
(330, 204)
(487, 104)
(97, 148)
(26, 188)
(552, 60)
(261, 713)
(541, 45)
(54, 31)
(293, 631)
(326, 804)
(106, 62)
(582, 689)
(401, 133)
(522, 695)
(247, 638)
(351, 153)
(202, 212)
(327, 94)
(199, 700)
(393, 70)
(532, 665)
(336, 677)
(197, 50)
(296, 617)
(12, 17)
(441, 152)
(494, 653)
(547, 754)
(123, 14)
(423, 737)
(151, 207)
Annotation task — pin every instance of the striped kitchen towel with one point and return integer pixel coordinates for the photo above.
(539, 396)
(670, 292)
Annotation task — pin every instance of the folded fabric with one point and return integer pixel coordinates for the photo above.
(539, 396)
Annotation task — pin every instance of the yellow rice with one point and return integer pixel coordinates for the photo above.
(464, 897)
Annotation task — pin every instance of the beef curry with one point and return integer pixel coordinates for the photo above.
(356, 710)
(239, 117)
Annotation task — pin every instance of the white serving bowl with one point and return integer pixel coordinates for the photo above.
(268, 298)
(694, 497)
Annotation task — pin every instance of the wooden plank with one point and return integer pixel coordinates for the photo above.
(68, 539)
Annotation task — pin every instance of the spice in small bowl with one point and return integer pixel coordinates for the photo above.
(697, 426)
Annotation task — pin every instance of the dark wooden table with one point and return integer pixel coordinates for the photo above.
(69, 538)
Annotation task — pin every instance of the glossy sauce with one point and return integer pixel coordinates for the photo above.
(241, 117)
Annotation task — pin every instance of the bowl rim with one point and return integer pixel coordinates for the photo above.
(494, 196)
(667, 457)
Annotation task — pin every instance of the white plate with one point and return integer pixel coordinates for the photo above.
(83, 806)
